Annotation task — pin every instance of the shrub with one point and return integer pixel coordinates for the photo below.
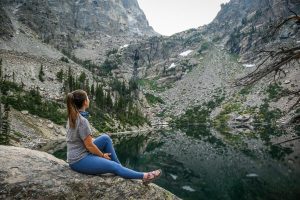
(64, 59)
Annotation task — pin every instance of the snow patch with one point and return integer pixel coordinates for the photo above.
(186, 53)
(131, 19)
(172, 66)
(124, 46)
(298, 42)
(287, 81)
(188, 188)
(173, 176)
(249, 65)
(252, 175)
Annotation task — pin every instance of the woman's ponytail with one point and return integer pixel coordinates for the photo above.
(75, 101)
(72, 111)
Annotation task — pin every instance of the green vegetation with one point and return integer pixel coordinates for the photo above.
(102, 109)
(60, 75)
(265, 122)
(41, 74)
(153, 85)
(32, 101)
(64, 59)
(233, 105)
(246, 90)
(123, 109)
(274, 90)
(193, 39)
(297, 125)
(1, 69)
(71, 83)
(268, 116)
(110, 52)
(216, 39)
(187, 65)
(204, 47)
(4, 125)
(85, 63)
(278, 152)
(61, 153)
(152, 100)
(220, 122)
(110, 63)
(198, 114)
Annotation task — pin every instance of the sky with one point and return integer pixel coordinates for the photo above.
(172, 16)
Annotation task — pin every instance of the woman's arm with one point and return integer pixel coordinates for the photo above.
(88, 142)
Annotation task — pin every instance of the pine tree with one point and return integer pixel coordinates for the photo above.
(70, 80)
(108, 101)
(87, 87)
(99, 97)
(0, 116)
(82, 78)
(5, 129)
(60, 75)
(13, 76)
(123, 89)
(93, 90)
(41, 74)
(1, 69)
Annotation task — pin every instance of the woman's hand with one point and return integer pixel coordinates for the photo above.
(106, 155)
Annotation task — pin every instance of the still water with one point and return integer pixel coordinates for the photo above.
(200, 163)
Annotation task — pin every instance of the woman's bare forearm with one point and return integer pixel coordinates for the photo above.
(94, 150)
(91, 147)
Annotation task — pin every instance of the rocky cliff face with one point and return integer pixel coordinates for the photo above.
(29, 174)
(81, 24)
(6, 30)
(63, 19)
(242, 24)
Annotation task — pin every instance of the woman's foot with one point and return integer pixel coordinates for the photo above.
(151, 176)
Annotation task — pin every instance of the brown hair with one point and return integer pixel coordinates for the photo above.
(75, 101)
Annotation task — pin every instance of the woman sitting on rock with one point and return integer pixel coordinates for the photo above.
(89, 156)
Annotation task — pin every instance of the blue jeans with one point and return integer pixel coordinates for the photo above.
(92, 164)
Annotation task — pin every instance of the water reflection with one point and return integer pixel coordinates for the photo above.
(209, 165)
(203, 163)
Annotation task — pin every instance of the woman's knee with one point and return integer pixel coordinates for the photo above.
(106, 137)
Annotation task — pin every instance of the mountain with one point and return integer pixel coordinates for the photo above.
(242, 23)
(192, 67)
(174, 74)
(56, 46)
(82, 25)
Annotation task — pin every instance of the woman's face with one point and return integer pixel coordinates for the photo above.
(87, 102)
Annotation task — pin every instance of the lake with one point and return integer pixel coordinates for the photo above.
(201, 163)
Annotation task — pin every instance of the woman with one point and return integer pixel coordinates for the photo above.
(89, 156)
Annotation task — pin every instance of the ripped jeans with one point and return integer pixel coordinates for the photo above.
(92, 164)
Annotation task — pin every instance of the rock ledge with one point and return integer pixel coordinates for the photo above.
(30, 174)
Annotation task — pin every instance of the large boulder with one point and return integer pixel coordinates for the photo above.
(31, 174)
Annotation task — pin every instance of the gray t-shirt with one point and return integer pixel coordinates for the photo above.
(75, 137)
